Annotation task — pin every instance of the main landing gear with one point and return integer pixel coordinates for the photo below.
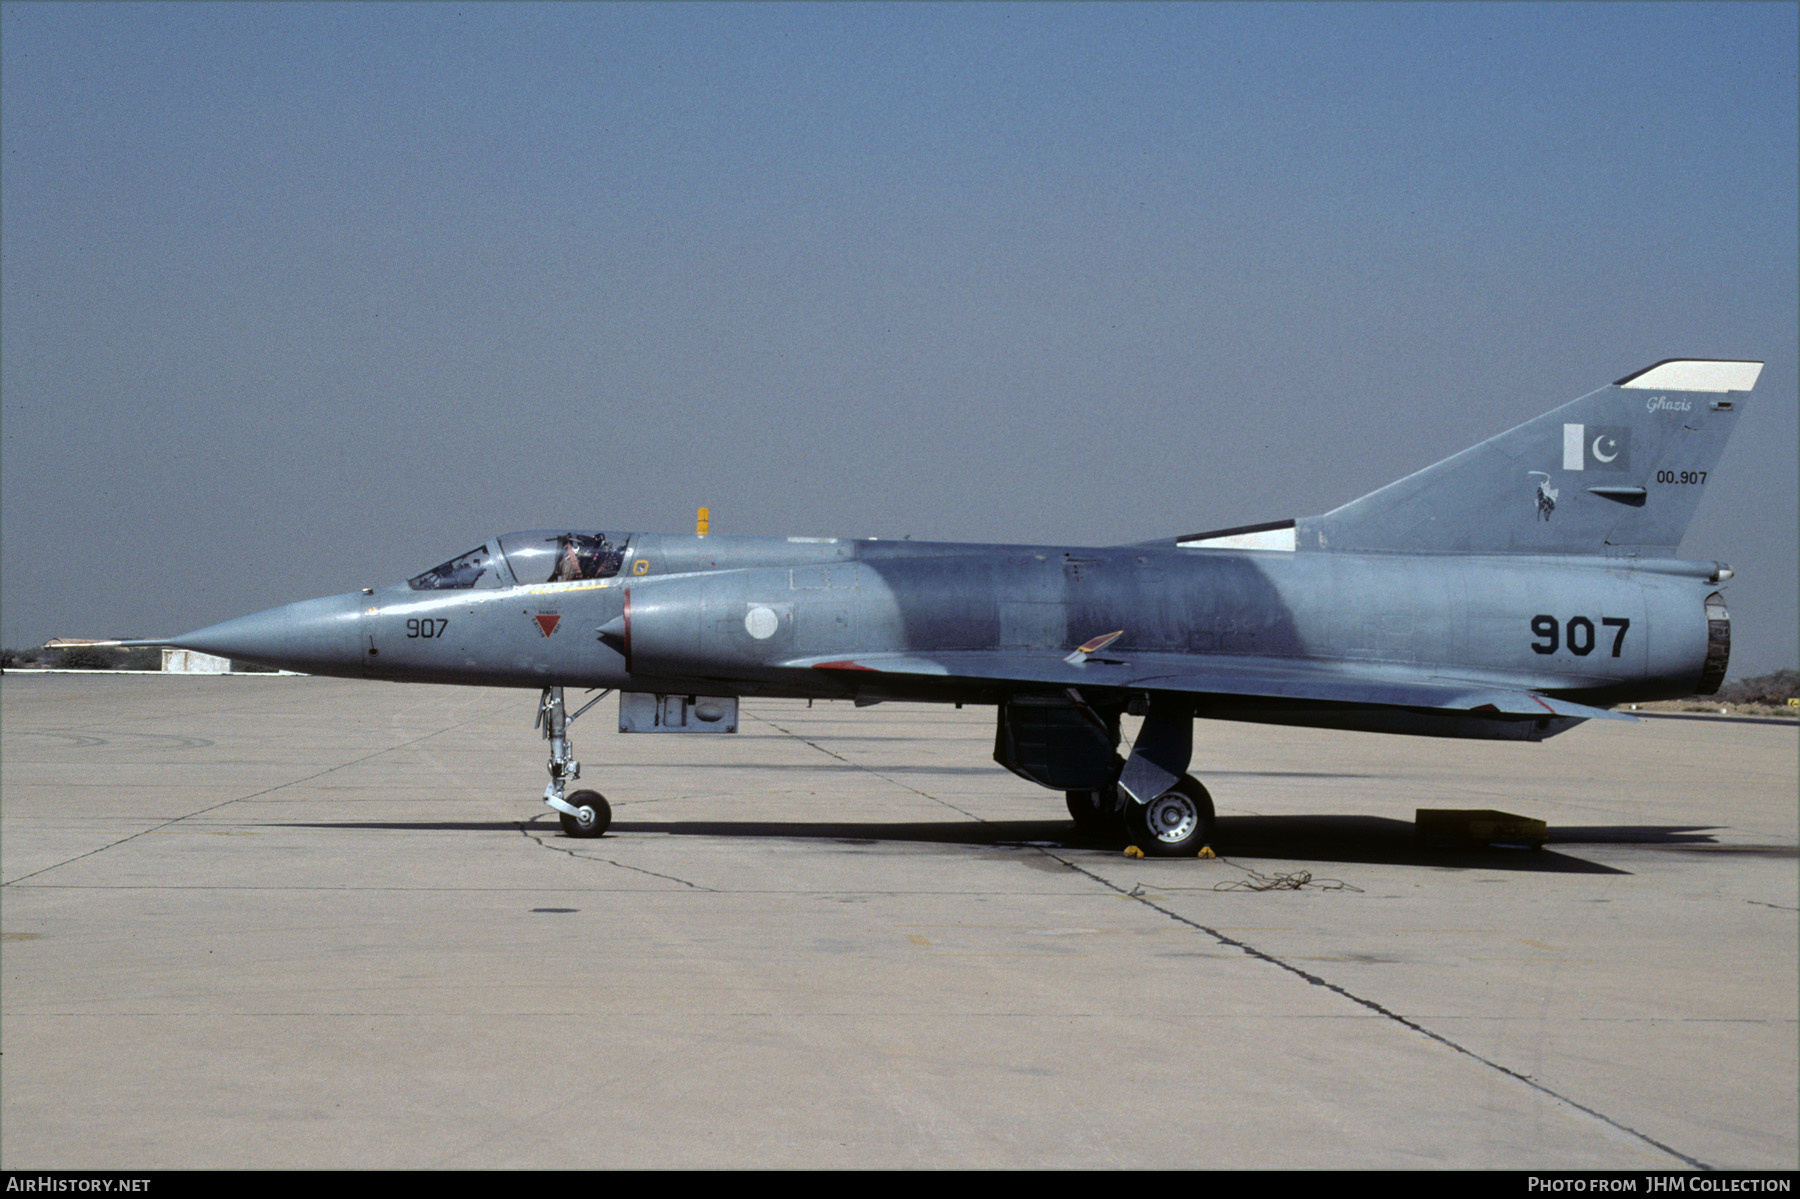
(1098, 813)
(584, 813)
(1176, 824)
(1068, 744)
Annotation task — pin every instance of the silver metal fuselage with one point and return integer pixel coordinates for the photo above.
(681, 619)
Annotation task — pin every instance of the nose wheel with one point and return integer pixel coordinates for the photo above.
(591, 816)
(585, 813)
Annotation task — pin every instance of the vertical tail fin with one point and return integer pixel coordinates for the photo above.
(1618, 471)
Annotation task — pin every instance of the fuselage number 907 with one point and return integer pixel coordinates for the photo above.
(1577, 634)
(426, 627)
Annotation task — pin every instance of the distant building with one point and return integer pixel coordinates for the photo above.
(188, 661)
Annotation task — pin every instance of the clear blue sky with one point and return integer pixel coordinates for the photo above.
(299, 298)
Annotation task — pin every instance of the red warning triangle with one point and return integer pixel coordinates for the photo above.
(547, 621)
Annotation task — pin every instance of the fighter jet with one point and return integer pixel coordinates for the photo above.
(1511, 591)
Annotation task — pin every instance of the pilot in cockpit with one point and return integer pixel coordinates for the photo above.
(582, 556)
(568, 561)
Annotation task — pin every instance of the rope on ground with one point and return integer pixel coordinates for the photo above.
(1295, 880)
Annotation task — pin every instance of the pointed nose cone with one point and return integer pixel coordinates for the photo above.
(320, 636)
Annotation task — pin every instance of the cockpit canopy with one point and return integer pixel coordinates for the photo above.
(537, 556)
(478, 567)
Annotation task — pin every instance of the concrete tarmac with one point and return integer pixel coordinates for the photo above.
(296, 922)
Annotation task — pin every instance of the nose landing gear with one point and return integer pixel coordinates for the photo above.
(585, 813)
(592, 814)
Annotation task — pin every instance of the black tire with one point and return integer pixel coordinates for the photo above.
(1096, 813)
(596, 815)
(1176, 824)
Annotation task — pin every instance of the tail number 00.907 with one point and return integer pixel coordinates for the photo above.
(1577, 634)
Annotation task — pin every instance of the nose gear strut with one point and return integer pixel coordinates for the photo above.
(585, 813)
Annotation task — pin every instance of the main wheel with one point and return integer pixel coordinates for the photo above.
(1176, 824)
(593, 814)
(1096, 813)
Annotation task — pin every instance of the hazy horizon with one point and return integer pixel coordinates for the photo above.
(296, 299)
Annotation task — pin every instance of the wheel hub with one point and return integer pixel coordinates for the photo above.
(1172, 817)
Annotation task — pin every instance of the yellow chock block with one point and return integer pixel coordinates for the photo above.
(1478, 826)
(1206, 852)
(1132, 851)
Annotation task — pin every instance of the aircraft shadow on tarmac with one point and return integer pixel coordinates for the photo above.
(1372, 840)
